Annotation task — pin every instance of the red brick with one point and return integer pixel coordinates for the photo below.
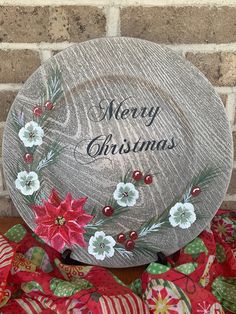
(17, 65)
(7, 98)
(50, 24)
(185, 24)
(219, 68)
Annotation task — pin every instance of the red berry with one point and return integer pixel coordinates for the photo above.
(48, 105)
(133, 235)
(148, 179)
(28, 158)
(137, 175)
(195, 191)
(121, 238)
(107, 211)
(129, 245)
(38, 111)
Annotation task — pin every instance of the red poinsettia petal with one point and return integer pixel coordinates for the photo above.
(39, 210)
(77, 238)
(84, 219)
(41, 231)
(58, 242)
(52, 231)
(54, 198)
(70, 215)
(46, 221)
(64, 232)
(78, 203)
(68, 201)
(74, 227)
(51, 210)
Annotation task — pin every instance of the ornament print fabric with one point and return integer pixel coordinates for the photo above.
(199, 279)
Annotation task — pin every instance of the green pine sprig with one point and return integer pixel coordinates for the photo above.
(202, 181)
(50, 155)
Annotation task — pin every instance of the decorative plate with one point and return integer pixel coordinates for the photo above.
(117, 148)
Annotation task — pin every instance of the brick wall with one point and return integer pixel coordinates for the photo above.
(204, 31)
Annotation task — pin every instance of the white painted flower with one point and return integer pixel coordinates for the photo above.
(182, 215)
(126, 194)
(27, 182)
(31, 134)
(101, 246)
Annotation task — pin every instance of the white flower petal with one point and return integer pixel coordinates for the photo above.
(111, 252)
(111, 240)
(173, 221)
(100, 257)
(36, 185)
(26, 191)
(175, 208)
(131, 202)
(22, 175)
(18, 184)
(189, 206)
(31, 124)
(122, 202)
(91, 247)
(129, 186)
(33, 175)
(99, 234)
(185, 225)
(192, 218)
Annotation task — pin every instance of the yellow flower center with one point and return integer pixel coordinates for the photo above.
(31, 135)
(60, 221)
(162, 306)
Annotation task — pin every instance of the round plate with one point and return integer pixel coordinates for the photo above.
(117, 148)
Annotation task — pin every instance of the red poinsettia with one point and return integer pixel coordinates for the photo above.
(61, 223)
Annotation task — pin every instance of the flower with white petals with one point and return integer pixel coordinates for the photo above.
(126, 194)
(101, 246)
(31, 134)
(182, 215)
(27, 182)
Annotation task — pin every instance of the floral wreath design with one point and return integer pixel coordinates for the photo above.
(64, 222)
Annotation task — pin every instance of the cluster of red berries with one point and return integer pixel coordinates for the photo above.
(138, 176)
(129, 243)
(38, 111)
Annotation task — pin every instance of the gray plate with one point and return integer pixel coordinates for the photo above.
(126, 105)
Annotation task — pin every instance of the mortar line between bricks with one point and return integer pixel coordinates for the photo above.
(45, 55)
(225, 89)
(55, 3)
(113, 29)
(203, 48)
(230, 108)
(10, 87)
(4, 193)
(195, 48)
(112, 21)
(230, 198)
(122, 3)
